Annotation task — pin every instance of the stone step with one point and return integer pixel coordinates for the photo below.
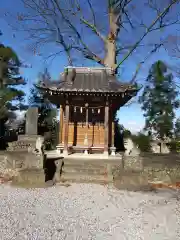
(88, 168)
(85, 168)
(92, 162)
(88, 171)
(93, 171)
(53, 154)
(85, 165)
(75, 177)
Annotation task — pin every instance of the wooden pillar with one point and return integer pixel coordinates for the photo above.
(86, 134)
(66, 128)
(112, 141)
(106, 128)
(61, 124)
(113, 149)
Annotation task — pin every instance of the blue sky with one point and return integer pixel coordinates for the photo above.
(131, 116)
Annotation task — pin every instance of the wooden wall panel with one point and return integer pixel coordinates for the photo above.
(95, 134)
(81, 130)
(70, 134)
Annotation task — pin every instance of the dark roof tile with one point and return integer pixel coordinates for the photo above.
(91, 81)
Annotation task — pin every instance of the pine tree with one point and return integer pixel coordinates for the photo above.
(11, 98)
(177, 129)
(159, 100)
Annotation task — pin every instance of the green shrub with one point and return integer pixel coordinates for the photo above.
(142, 141)
(173, 146)
(178, 146)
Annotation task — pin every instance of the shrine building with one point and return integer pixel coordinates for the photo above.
(89, 99)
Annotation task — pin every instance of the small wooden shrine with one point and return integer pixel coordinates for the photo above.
(89, 99)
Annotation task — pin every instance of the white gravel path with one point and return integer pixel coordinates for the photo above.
(87, 211)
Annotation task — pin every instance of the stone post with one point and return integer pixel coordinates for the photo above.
(31, 127)
(32, 121)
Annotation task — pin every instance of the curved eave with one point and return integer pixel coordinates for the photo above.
(120, 98)
(55, 90)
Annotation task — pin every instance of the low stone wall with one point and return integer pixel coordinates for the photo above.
(156, 167)
(168, 160)
(7, 168)
(162, 167)
(20, 160)
(134, 163)
(166, 174)
(12, 162)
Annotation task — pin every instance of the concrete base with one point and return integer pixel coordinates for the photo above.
(95, 156)
(113, 151)
(60, 148)
(65, 153)
(86, 152)
(105, 154)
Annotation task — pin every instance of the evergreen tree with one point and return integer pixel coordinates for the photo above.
(47, 112)
(143, 141)
(159, 100)
(10, 97)
(177, 129)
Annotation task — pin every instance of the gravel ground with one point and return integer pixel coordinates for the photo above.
(87, 211)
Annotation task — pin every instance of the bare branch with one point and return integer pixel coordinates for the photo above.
(97, 32)
(139, 66)
(148, 30)
(128, 47)
(92, 55)
(92, 11)
(92, 26)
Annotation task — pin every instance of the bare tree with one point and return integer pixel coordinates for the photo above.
(105, 31)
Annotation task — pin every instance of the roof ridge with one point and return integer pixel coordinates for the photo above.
(90, 69)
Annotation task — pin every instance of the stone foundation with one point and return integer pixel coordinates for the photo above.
(165, 175)
(23, 166)
(30, 177)
(133, 163)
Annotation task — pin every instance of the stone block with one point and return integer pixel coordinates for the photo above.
(30, 176)
(134, 163)
(33, 161)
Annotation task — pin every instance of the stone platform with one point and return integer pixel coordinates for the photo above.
(79, 167)
(55, 153)
(94, 168)
(89, 170)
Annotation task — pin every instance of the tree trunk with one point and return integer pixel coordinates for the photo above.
(110, 44)
(110, 58)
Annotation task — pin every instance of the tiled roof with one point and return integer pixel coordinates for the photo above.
(89, 80)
